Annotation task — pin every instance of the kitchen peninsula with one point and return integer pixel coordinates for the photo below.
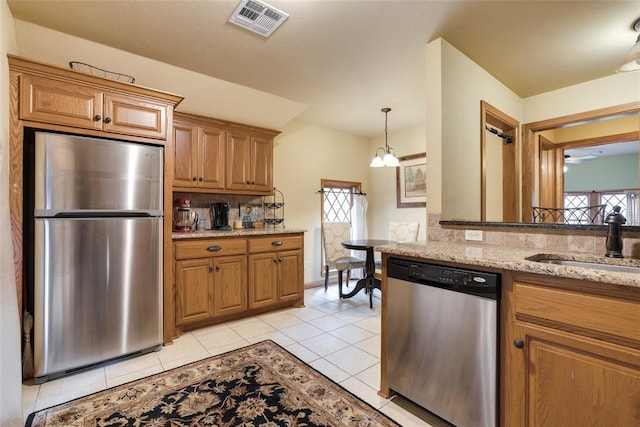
(569, 337)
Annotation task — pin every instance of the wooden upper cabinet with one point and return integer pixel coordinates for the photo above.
(199, 155)
(134, 116)
(185, 143)
(66, 103)
(212, 161)
(53, 101)
(238, 161)
(215, 156)
(261, 164)
(249, 162)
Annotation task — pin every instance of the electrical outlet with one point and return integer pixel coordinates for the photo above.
(475, 235)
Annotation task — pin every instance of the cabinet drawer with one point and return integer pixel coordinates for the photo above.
(209, 248)
(274, 243)
(596, 313)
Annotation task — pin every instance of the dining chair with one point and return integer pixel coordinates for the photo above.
(337, 256)
(399, 232)
(404, 232)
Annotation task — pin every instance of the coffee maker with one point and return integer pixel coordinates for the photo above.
(220, 216)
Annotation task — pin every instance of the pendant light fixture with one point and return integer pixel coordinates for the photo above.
(632, 60)
(388, 157)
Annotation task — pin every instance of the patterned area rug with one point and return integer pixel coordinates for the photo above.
(258, 385)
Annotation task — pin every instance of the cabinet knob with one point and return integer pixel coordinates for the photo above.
(194, 178)
(217, 268)
(107, 119)
(210, 268)
(253, 183)
(248, 182)
(275, 260)
(201, 179)
(97, 118)
(518, 343)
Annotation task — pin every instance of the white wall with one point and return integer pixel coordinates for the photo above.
(303, 155)
(204, 95)
(600, 93)
(10, 356)
(381, 192)
(464, 85)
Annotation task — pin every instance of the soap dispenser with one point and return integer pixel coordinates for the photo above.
(614, 235)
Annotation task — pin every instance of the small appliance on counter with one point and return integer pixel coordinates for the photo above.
(220, 216)
(184, 218)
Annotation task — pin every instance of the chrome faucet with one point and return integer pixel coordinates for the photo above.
(614, 235)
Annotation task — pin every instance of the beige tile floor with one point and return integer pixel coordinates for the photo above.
(338, 337)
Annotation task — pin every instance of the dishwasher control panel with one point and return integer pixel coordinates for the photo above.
(459, 279)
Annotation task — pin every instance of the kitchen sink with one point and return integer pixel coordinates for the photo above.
(612, 264)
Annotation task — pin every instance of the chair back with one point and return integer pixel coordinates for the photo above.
(333, 234)
(403, 232)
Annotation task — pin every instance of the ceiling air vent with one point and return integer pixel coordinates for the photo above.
(258, 17)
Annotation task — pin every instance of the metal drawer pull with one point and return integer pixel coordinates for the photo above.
(214, 248)
(277, 243)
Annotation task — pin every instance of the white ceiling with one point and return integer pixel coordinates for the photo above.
(348, 59)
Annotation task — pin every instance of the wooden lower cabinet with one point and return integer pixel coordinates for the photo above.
(274, 277)
(215, 279)
(275, 270)
(571, 353)
(210, 279)
(209, 287)
(194, 291)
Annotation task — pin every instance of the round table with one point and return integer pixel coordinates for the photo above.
(369, 282)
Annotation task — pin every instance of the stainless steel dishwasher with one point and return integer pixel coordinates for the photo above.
(442, 343)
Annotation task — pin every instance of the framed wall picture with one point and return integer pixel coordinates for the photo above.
(411, 181)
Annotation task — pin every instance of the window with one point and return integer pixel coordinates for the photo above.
(626, 199)
(338, 204)
(337, 200)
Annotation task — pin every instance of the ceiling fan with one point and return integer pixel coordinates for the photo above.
(578, 159)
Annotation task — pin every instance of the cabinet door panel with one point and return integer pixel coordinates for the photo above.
(230, 284)
(261, 164)
(290, 275)
(193, 291)
(134, 116)
(571, 387)
(52, 101)
(185, 142)
(263, 280)
(211, 157)
(238, 161)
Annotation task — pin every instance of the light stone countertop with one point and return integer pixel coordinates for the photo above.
(514, 259)
(204, 234)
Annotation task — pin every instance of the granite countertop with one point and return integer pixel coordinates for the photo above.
(236, 233)
(515, 259)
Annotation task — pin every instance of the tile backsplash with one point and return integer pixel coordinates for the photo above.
(549, 240)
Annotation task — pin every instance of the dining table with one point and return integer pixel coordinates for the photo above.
(370, 281)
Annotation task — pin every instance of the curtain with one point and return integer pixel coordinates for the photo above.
(359, 222)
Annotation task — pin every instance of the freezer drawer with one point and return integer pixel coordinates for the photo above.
(94, 176)
(97, 290)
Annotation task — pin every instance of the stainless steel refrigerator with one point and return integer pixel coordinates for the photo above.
(97, 251)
